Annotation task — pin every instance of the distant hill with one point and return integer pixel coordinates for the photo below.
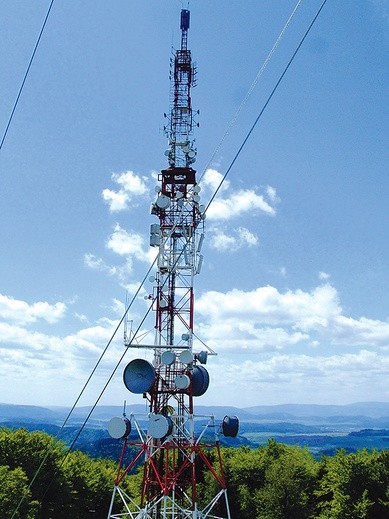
(31, 412)
(368, 409)
(321, 428)
(359, 414)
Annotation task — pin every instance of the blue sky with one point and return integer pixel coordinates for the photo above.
(293, 293)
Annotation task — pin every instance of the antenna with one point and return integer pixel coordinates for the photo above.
(170, 434)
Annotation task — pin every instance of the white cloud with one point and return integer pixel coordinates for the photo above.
(247, 336)
(223, 242)
(212, 179)
(238, 203)
(272, 194)
(363, 331)
(118, 307)
(21, 312)
(231, 203)
(131, 186)
(323, 276)
(260, 324)
(270, 306)
(247, 237)
(297, 378)
(264, 319)
(131, 245)
(127, 244)
(95, 263)
(47, 349)
(81, 317)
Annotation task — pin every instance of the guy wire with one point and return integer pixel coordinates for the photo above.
(25, 75)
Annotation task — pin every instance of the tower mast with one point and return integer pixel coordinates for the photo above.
(172, 447)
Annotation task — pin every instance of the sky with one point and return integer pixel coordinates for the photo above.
(293, 292)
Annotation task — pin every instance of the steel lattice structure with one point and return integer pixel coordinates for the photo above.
(170, 445)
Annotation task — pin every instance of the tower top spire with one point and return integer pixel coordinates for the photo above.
(185, 22)
(179, 130)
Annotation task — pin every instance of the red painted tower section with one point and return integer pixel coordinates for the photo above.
(174, 444)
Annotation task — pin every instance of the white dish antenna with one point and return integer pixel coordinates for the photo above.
(186, 357)
(119, 427)
(168, 358)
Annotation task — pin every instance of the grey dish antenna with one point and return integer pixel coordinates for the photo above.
(139, 376)
(186, 357)
(163, 201)
(202, 357)
(119, 427)
(168, 358)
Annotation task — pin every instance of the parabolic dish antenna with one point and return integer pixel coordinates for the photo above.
(160, 426)
(230, 426)
(119, 427)
(202, 357)
(139, 376)
(200, 380)
(182, 381)
(186, 357)
(168, 357)
(163, 202)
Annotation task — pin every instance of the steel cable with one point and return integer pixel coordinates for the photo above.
(25, 75)
(251, 89)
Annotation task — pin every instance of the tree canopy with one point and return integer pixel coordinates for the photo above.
(40, 479)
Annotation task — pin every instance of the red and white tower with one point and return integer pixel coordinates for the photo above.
(173, 443)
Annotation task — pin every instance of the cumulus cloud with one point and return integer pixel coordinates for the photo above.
(239, 238)
(15, 310)
(95, 263)
(211, 181)
(270, 306)
(131, 186)
(128, 245)
(230, 203)
(240, 202)
(48, 348)
(297, 378)
(131, 245)
(265, 318)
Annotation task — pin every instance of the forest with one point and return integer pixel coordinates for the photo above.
(273, 481)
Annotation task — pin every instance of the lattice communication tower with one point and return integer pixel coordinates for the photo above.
(175, 446)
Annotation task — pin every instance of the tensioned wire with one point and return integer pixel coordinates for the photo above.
(251, 89)
(149, 270)
(26, 74)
